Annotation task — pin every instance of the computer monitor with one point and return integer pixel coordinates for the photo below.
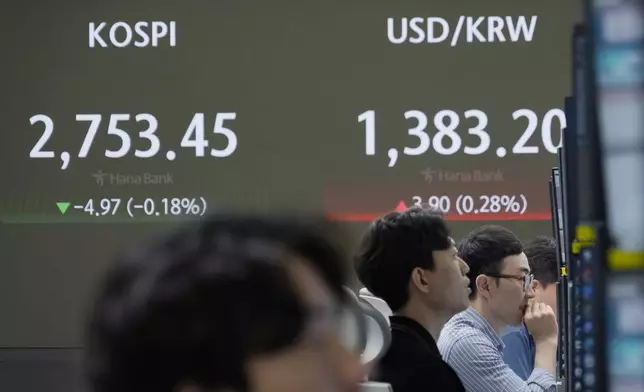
(584, 178)
(619, 85)
(568, 171)
(553, 204)
(568, 164)
(556, 204)
(558, 217)
(618, 53)
(582, 369)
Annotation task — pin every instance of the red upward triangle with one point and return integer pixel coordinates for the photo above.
(401, 206)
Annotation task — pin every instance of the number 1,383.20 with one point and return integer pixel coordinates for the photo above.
(447, 141)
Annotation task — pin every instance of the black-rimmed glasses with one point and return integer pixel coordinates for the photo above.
(526, 279)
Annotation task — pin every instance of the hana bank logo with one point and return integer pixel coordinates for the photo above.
(440, 175)
(122, 179)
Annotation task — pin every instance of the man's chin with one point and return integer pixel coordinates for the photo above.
(456, 310)
(518, 322)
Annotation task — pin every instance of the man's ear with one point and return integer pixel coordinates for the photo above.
(483, 286)
(537, 286)
(420, 279)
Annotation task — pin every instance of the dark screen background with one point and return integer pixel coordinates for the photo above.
(298, 74)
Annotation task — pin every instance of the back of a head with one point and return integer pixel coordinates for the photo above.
(393, 246)
(542, 256)
(193, 306)
(484, 250)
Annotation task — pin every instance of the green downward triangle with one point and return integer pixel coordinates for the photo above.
(63, 206)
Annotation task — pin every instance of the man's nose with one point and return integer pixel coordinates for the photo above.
(529, 293)
(464, 267)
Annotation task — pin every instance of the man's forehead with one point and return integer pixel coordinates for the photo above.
(516, 264)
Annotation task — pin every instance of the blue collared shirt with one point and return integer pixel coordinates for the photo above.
(475, 351)
(519, 351)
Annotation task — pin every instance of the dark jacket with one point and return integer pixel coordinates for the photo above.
(413, 362)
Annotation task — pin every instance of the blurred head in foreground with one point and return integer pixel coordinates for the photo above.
(228, 304)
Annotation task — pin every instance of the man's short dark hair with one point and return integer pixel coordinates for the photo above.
(393, 246)
(196, 305)
(484, 250)
(542, 255)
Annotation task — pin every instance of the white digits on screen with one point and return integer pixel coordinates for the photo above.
(420, 131)
(149, 134)
(37, 151)
(94, 122)
(439, 203)
(195, 136)
(445, 139)
(546, 129)
(479, 130)
(369, 120)
(445, 122)
(521, 146)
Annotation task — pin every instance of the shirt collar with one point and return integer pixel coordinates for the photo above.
(479, 322)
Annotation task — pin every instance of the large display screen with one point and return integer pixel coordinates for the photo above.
(619, 59)
(122, 116)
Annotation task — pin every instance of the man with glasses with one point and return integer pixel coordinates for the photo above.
(501, 296)
(519, 352)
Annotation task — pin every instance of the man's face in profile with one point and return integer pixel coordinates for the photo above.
(317, 362)
(511, 296)
(450, 285)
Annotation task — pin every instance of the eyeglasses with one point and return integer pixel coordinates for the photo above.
(526, 279)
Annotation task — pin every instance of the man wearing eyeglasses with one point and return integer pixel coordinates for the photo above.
(501, 295)
(519, 352)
